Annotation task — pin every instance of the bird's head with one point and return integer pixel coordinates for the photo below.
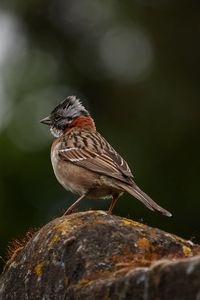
(64, 114)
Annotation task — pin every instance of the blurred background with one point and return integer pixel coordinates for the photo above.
(136, 66)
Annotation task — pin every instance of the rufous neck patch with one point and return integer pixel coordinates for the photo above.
(82, 122)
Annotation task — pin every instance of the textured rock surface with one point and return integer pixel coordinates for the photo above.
(94, 255)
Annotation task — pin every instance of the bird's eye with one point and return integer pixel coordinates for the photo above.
(57, 118)
(69, 119)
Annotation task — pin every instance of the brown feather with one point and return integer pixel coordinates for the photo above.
(135, 191)
(98, 156)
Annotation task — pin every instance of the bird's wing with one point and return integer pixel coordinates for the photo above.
(96, 154)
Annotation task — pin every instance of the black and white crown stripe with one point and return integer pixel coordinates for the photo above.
(73, 107)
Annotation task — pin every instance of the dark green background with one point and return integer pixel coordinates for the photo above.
(136, 66)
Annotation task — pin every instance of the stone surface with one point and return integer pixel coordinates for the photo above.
(94, 255)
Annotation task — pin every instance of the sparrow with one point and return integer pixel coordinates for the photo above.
(85, 163)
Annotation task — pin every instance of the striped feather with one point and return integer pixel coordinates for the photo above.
(91, 151)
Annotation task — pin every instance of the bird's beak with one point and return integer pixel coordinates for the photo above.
(46, 121)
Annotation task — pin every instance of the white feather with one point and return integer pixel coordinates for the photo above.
(56, 132)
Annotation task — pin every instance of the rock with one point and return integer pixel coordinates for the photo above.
(94, 255)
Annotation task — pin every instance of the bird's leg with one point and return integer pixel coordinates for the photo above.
(114, 200)
(69, 210)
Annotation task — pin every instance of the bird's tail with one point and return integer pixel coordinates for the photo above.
(135, 191)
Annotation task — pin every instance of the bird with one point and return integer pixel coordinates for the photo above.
(85, 163)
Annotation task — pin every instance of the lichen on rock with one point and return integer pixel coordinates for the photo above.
(95, 255)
